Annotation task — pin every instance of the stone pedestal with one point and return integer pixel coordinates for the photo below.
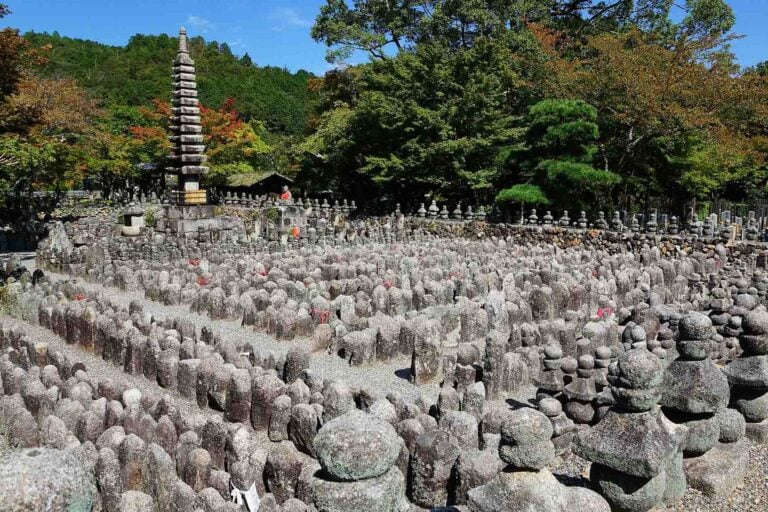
(526, 484)
(636, 454)
(718, 471)
(190, 219)
(535, 491)
(357, 453)
(694, 388)
(384, 493)
(758, 432)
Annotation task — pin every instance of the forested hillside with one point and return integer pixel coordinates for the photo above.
(136, 74)
(76, 113)
(574, 104)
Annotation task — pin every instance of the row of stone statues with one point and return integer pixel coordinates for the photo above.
(670, 225)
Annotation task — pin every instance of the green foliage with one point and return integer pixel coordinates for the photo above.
(218, 173)
(557, 162)
(272, 214)
(427, 122)
(707, 18)
(138, 73)
(562, 129)
(710, 168)
(149, 218)
(382, 28)
(663, 108)
(760, 69)
(523, 193)
(40, 163)
(465, 101)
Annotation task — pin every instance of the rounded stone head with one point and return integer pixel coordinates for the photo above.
(553, 352)
(695, 326)
(356, 446)
(636, 380)
(551, 407)
(526, 426)
(586, 362)
(695, 341)
(526, 439)
(637, 334)
(754, 339)
(756, 322)
(603, 353)
(569, 365)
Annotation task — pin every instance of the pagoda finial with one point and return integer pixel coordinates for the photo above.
(183, 40)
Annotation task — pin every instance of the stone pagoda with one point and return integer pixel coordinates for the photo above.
(189, 212)
(188, 154)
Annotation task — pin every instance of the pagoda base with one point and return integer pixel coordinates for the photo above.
(189, 197)
(181, 220)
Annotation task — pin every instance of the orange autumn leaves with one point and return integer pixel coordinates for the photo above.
(227, 137)
(651, 93)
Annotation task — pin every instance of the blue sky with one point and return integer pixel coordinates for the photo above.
(273, 32)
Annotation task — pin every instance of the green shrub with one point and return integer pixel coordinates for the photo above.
(524, 193)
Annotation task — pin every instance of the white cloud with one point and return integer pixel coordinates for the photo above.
(201, 24)
(238, 44)
(286, 18)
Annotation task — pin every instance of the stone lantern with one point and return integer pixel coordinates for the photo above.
(133, 220)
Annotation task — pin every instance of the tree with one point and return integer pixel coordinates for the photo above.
(665, 88)
(12, 48)
(761, 68)
(50, 120)
(426, 122)
(557, 163)
(660, 97)
(382, 28)
(229, 139)
(232, 145)
(522, 194)
(51, 107)
(113, 156)
(42, 163)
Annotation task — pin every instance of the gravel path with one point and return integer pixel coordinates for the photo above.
(750, 496)
(381, 378)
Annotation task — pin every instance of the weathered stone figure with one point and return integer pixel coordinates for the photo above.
(526, 484)
(635, 452)
(694, 389)
(357, 453)
(748, 376)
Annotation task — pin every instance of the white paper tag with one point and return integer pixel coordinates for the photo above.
(249, 497)
(252, 499)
